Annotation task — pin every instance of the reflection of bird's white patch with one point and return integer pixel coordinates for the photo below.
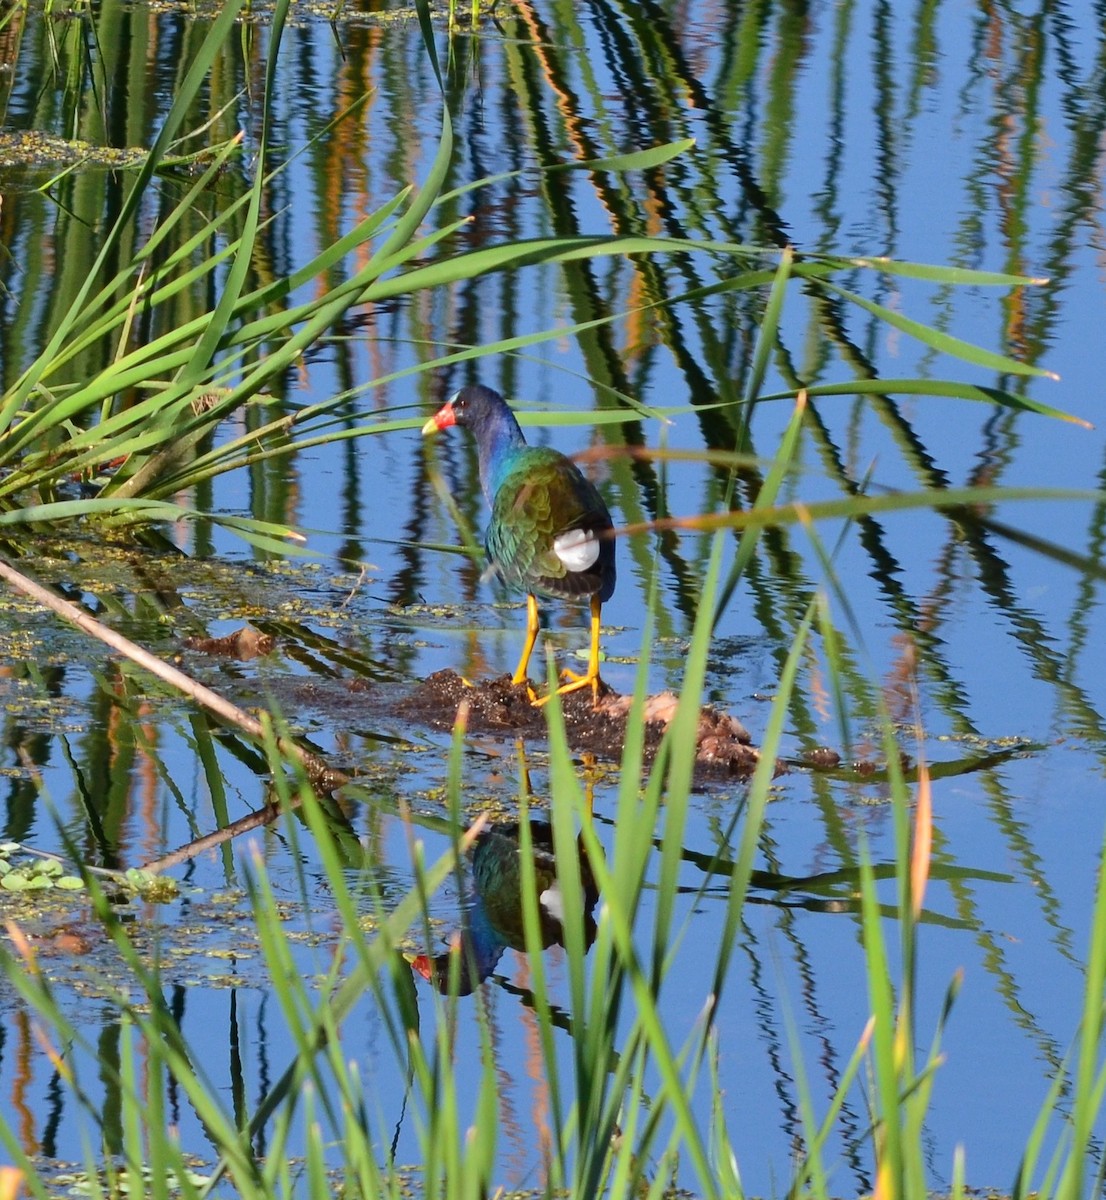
(553, 903)
(578, 549)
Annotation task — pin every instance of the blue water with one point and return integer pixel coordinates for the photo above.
(942, 151)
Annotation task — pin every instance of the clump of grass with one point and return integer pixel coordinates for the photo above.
(146, 424)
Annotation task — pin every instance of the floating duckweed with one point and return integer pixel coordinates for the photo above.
(33, 148)
(158, 889)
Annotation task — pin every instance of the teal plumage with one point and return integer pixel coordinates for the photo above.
(550, 533)
(541, 496)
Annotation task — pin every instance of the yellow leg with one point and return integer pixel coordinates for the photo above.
(590, 678)
(531, 637)
(591, 775)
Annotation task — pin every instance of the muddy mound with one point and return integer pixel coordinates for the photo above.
(497, 706)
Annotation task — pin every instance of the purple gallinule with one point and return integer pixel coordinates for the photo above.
(492, 918)
(549, 533)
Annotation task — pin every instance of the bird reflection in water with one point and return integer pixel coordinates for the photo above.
(492, 919)
(492, 915)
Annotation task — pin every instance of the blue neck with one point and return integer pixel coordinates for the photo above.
(495, 448)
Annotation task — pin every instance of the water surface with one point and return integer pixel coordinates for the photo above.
(966, 135)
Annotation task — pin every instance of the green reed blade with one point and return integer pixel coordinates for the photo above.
(945, 343)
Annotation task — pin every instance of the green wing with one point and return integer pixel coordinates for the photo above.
(541, 496)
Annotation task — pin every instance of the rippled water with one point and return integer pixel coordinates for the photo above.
(966, 136)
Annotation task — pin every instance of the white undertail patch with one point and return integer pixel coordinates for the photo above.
(553, 903)
(577, 549)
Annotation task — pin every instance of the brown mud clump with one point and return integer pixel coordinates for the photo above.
(497, 706)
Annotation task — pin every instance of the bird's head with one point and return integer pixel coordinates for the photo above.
(458, 966)
(474, 407)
